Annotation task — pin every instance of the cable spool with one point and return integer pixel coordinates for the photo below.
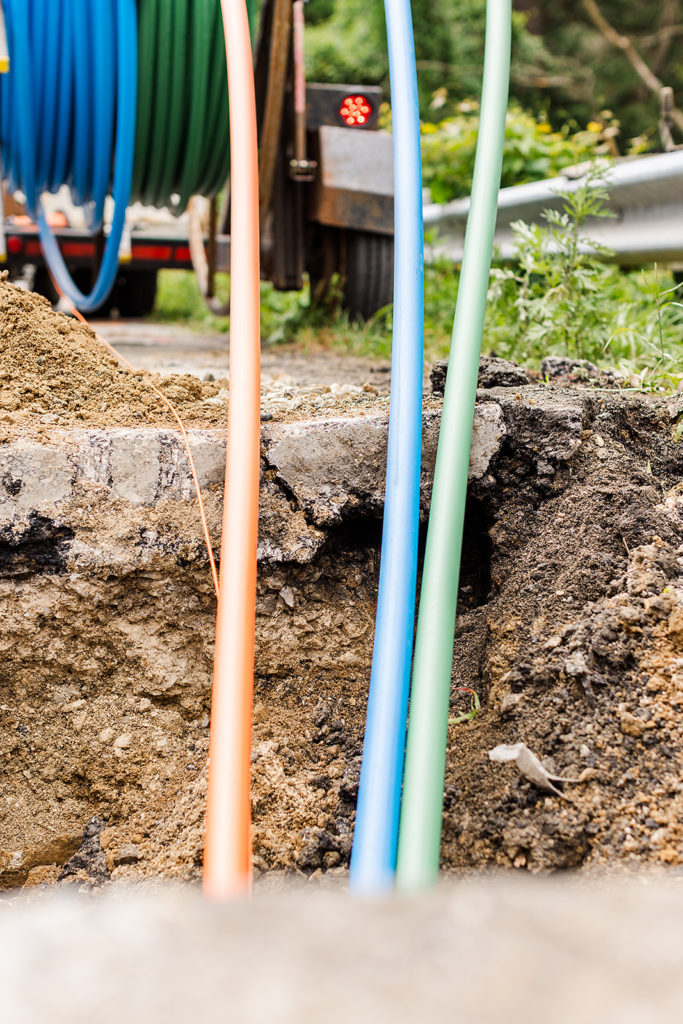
(181, 144)
(114, 94)
(67, 112)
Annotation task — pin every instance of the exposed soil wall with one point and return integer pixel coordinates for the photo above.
(570, 631)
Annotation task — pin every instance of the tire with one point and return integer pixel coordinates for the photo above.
(368, 272)
(135, 292)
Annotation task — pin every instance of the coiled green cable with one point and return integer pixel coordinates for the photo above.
(182, 129)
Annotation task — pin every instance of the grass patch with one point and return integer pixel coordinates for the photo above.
(640, 322)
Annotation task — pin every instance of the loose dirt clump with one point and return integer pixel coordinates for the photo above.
(54, 371)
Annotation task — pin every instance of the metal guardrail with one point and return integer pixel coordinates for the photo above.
(646, 197)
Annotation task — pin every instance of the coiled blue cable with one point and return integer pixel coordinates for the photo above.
(65, 117)
(373, 858)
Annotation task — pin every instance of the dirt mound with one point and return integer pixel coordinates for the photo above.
(54, 371)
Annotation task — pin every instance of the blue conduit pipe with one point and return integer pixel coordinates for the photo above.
(81, 109)
(373, 857)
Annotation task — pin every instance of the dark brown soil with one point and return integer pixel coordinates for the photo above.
(580, 656)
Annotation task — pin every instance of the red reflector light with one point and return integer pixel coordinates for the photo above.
(14, 245)
(153, 253)
(32, 248)
(182, 254)
(355, 110)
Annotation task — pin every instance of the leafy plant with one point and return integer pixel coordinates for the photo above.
(532, 150)
(561, 297)
(555, 288)
(664, 372)
(475, 706)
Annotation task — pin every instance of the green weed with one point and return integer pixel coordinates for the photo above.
(475, 707)
(562, 298)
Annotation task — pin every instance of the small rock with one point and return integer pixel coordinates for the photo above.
(16, 860)
(106, 736)
(43, 874)
(501, 373)
(107, 837)
(9, 401)
(75, 705)
(129, 853)
(562, 366)
(123, 741)
(510, 702)
(576, 665)
(632, 726)
(552, 643)
(493, 373)
(90, 861)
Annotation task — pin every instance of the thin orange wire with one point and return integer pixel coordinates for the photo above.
(195, 479)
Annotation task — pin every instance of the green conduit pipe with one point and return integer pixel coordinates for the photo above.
(422, 804)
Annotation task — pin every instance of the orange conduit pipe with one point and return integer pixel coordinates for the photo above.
(227, 847)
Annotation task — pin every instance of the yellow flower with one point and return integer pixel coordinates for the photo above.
(594, 126)
(544, 128)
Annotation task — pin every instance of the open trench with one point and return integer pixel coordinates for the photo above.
(570, 630)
